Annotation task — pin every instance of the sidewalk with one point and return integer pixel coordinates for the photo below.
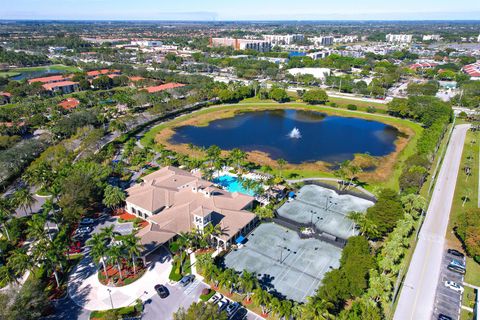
(87, 292)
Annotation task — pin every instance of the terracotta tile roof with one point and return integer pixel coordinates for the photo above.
(473, 69)
(176, 196)
(5, 94)
(163, 87)
(51, 86)
(96, 73)
(136, 78)
(49, 79)
(12, 124)
(69, 103)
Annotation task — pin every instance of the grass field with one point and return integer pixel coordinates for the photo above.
(253, 103)
(59, 67)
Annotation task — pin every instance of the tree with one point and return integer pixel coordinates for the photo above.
(24, 198)
(347, 171)
(99, 250)
(279, 95)
(200, 311)
(132, 247)
(248, 282)
(115, 254)
(281, 164)
(262, 298)
(5, 214)
(315, 96)
(113, 196)
(316, 308)
(366, 226)
(386, 211)
(237, 157)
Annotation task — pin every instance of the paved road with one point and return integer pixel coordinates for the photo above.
(418, 294)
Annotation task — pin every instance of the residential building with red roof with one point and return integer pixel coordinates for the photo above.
(473, 70)
(51, 79)
(69, 103)
(163, 87)
(61, 87)
(423, 65)
(5, 97)
(103, 72)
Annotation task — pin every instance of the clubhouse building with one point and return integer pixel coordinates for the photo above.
(174, 201)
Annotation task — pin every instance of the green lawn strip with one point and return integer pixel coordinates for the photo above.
(468, 297)
(466, 315)
(344, 102)
(473, 272)
(129, 311)
(59, 67)
(9, 74)
(465, 183)
(206, 297)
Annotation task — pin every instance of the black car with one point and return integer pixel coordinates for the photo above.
(441, 316)
(456, 253)
(162, 291)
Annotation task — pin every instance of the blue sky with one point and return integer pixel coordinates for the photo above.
(240, 9)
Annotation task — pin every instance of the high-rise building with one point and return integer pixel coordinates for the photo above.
(242, 44)
(322, 41)
(431, 37)
(283, 39)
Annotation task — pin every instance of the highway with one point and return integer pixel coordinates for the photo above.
(418, 293)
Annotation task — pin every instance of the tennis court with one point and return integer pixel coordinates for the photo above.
(326, 209)
(283, 262)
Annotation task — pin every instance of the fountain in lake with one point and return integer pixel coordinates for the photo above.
(295, 133)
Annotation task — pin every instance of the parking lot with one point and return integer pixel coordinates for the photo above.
(448, 301)
(179, 297)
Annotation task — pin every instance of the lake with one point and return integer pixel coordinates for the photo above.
(294, 135)
(36, 74)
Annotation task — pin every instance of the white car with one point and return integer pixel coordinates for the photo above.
(216, 298)
(454, 286)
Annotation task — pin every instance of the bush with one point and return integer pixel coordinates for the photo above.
(352, 107)
(371, 109)
(206, 297)
(332, 104)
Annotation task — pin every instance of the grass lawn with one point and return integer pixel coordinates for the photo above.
(8, 74)
(248, 104)
(59, 67)
(466, 315)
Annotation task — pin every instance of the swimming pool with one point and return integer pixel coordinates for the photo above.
(232, 184)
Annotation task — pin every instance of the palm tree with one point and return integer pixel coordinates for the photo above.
(317, 308)
(413, 204)
(8, 275)
(281, 164)
(108, 233)
(5, 215)
(19, 261)
(36, 227)
(262, 298)
(24, 198)
(98, 250)
(366, 226)
(237, 157)
(113, 196)
(248, 282)
(229, 279)
(115, 254)
(132, 247)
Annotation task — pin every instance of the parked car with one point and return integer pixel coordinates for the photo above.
(232, 308)
(457, 263)
(87, 221)
(187, 279)
(216, 298)
(162, 291)
(441, 316)
(456, 269)
(83, 230)
(456, 253)
(241, 314)
(222, 304)
(454, 286)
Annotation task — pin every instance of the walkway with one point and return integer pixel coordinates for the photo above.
(418, 292)
(87, 292)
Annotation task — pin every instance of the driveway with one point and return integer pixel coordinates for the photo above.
(158, 308)
(418, 293)
(87, 292)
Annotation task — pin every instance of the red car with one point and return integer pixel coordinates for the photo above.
(75, 248)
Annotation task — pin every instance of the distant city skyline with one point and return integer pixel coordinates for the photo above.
(211, 10)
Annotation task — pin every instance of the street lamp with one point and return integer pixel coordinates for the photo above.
(110, 294)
